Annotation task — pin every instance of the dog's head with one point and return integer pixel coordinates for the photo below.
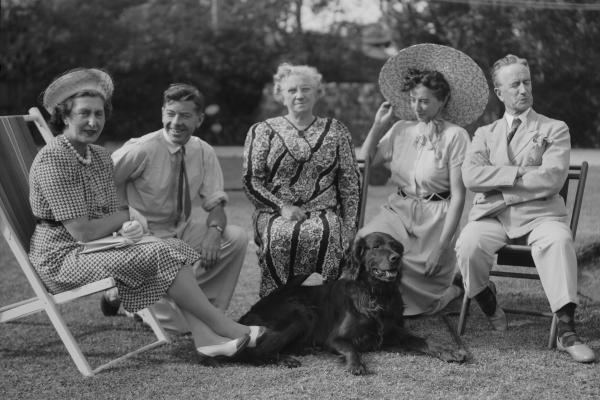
(379, 254)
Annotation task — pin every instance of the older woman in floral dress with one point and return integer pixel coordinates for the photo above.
(300, 172)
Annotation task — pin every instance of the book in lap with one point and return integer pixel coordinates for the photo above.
(114, 242)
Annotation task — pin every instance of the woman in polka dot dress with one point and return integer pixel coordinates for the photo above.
(73, 198)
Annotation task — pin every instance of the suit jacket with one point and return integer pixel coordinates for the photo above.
(543, 145)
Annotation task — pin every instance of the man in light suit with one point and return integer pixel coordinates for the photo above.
(517, 166)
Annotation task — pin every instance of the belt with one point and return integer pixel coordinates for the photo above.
(47, 222)
(431, 197)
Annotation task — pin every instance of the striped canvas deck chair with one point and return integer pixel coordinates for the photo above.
(17, 151)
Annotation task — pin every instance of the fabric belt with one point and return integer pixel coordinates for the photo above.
(48, 222)
(431, 197)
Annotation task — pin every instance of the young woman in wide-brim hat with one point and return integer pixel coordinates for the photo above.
(435, 91)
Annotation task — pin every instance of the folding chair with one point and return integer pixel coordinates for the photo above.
(17, 150)
(520, 255)
(365, 168)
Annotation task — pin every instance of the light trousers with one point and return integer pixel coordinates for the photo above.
(552, 251)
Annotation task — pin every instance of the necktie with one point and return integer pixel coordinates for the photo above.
(513, 128)
(184, 202)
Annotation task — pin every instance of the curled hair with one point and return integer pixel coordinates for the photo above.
(64, 108)
(432, 80)
(503, 62)
(286, 70)
(184, 92)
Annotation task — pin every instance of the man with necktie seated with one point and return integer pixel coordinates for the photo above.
(516, 166)
(160, 174)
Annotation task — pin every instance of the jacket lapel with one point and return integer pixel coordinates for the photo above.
(500, 147)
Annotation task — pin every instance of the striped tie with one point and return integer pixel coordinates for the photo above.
(513, 128)
(184, 202)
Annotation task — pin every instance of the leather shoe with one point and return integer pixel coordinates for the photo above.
(227, 349)
(108, 306)
(498, 320)
(255, 333)
(579, 351)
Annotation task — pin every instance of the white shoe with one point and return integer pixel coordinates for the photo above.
(227, 349)
(580, 351)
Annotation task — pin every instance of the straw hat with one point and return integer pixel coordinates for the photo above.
(75, 81)
(468, 87)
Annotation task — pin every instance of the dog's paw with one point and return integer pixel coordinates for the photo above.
(290, 362)
(357, 369)
(450, 355)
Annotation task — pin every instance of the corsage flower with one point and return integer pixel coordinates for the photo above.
(541, 139)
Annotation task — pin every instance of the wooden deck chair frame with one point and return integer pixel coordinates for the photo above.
(364, 165)
(43, 300)
(520, 255)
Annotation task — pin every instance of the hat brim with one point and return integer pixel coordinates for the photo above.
(469, 90)
(76, 81)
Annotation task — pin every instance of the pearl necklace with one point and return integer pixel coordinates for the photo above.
(88, 155)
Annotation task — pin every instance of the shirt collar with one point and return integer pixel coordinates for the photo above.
(172, 147)
(523, 117)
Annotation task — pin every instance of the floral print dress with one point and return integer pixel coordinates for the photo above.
(314, 169)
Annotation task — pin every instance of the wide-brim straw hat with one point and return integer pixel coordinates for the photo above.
(469, 90)
(76, 81)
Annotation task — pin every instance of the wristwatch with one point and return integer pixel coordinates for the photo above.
(217, 227)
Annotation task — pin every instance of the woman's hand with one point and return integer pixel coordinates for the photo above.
(135, 215)
(293, 213)
(384, 114)
(436, 260)
(132, 230)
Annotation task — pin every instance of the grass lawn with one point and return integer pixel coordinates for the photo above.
(516, 365)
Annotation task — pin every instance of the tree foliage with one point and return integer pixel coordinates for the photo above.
(231, 54)
(559, 45)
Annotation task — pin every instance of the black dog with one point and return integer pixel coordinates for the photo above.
(362, 311)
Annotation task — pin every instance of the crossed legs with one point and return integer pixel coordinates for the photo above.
(208, 324)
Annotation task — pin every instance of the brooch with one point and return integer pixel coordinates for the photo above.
(540, 139)
(422, 141)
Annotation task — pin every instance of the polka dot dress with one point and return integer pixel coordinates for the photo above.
(62, 188)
